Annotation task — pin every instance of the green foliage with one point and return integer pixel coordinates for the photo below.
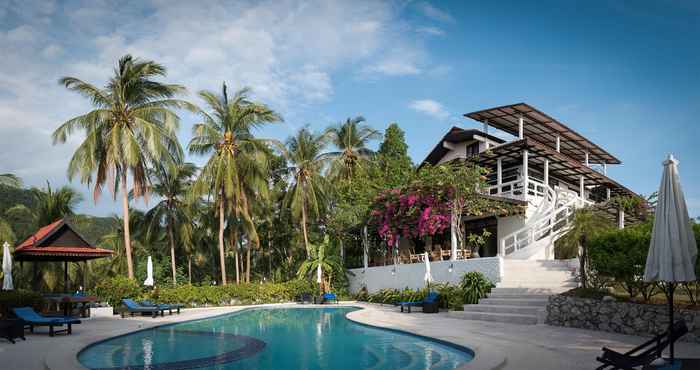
(232, 294)
(475, 286)
(590, 293)
(328, 257)
(19, 298)
(620, 255)
(395, 166)
(113, 290)
(162, 274)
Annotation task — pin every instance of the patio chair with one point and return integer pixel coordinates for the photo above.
(32, 319)
(429, 303)
(166, 306)
(304, 298)
(133, 307)
(644, 354)
(328, 297)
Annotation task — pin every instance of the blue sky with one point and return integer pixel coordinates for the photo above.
(622, 73)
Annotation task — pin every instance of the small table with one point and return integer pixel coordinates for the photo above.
(67, 301)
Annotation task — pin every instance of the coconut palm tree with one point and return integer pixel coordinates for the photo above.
(131, 128)
(328, 259)
(52, 205)
(585, 223)
(117, 265)
(9, 179)
(171, 182)
(351, 139)
(235, 154)
(305, 161)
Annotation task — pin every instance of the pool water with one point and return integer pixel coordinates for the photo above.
(273, 338)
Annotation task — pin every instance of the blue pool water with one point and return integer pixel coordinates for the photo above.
(279, 338)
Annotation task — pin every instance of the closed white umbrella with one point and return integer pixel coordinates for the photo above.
(6, 268)
(673, 250)
(149, 273)
(428, 277)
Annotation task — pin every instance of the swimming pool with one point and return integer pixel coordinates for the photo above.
(273, 338)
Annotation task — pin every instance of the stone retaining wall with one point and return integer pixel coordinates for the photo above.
(618, 317)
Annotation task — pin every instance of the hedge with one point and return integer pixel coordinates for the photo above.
(19, 298)
(114, 290)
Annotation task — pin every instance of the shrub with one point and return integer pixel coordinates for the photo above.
(474, 286)
(19, 298)
(113, 290)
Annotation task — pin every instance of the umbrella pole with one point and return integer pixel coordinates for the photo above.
(671, 287)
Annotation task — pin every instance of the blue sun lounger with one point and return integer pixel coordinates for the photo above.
(32, 319)
(429, 301)
(133, 307)
(328, 297)
(166, 306)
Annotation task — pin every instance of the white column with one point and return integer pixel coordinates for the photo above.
(558, 144)
(365, 248)
(582, 188)
(605, 169)
(607, 193)
(520, 126)
(453, 234)
(525, 174)
(620, 219)
(499, 173)
(587, 163)
(486, 126)
(546, 172)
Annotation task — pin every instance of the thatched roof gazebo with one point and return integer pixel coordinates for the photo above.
(58, 242)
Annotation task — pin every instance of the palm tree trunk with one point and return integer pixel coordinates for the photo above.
(189, 268)
(582, 265)
(127, 234)
(247, 269)
(172, 250)
(221, 242)
(303, 228)
(238, 277)
(234, 246)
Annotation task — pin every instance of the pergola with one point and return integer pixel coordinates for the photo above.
(58, 242)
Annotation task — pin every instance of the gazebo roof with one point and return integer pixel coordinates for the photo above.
(58, 242)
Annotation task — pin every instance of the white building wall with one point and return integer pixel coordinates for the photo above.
(412, 275)
(459, 151)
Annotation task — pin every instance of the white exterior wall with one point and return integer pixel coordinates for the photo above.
(459, 151)
(412, 275)
(507, 225)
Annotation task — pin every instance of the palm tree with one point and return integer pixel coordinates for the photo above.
(351, 139)
(52, 205)
(307, 194)
(131, 128)
(236, 155)
(114, 240)
(326, 257)
(586, 222)
(170, 181)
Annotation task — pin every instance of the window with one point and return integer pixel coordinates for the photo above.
(472, 149)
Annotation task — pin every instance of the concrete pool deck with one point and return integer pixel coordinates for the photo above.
(497, 345)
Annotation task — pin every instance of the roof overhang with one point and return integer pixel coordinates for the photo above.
(545, 129)
(456, 135)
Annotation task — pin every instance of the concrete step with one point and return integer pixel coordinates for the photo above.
(521, 310)
(510, 318)
(518, 296)
(523, 290)
(538, 302)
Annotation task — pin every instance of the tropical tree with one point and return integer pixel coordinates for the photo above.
(585, 224)
(327, 257)
(351, 139)
(308, 192)
(131, 128)
(118, 264)
(171, 182)
(10, 180)
(226, 134)
(396, 168)
(52, 205)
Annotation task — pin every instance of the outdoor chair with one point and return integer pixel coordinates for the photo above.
(429, 303)
(166, 306)
(32, 319)
(328, 297)
(304, 298)
(133, 307)
(644, 354)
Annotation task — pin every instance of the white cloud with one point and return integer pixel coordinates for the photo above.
(429, 107)
(431, 31)
(435, 13)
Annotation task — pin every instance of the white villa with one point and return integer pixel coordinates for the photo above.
(546, 167)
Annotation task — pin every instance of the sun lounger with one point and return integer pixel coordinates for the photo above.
(429, 303)
(133, 307)
(644, 354)
(166, 306)
(328, 297)
(32, 319)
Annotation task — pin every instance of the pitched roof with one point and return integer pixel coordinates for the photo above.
(455, 135)
(58, 241)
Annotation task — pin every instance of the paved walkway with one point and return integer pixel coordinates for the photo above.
(497, 346)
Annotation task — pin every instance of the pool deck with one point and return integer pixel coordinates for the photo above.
(497, 345)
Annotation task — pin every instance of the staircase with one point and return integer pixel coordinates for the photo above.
(521, 298)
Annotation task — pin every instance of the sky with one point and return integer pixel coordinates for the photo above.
(622, 73)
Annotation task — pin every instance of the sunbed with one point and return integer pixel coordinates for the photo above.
(166, 306)
(644, 354)
(429, 303)
(328, 297)
(133, 307)
(32, 319)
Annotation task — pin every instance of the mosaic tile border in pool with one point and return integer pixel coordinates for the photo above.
(251, 347)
